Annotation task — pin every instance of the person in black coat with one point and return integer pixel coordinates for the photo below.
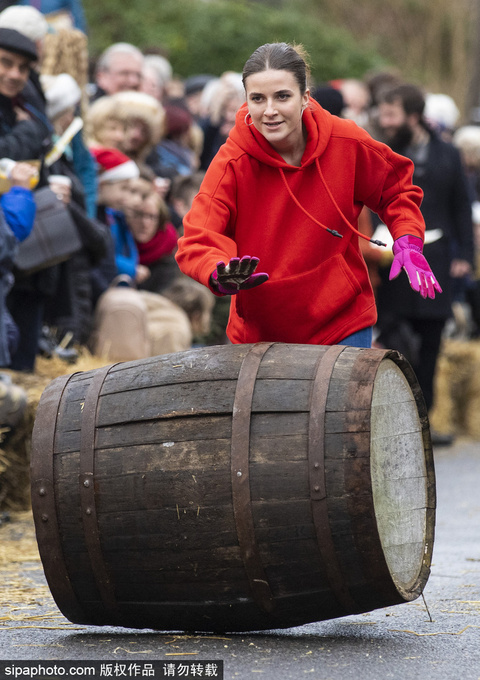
(24, 135)
(24, 129)
(408, 322)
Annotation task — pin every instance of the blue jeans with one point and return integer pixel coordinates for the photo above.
(361, 338)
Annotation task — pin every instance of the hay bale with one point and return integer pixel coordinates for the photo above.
(15, 445)
(457, 389)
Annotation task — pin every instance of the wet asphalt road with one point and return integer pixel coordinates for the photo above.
(398, 642)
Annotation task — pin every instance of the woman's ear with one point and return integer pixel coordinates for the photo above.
(306, 99)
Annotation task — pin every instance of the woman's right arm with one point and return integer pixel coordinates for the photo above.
(209, 226)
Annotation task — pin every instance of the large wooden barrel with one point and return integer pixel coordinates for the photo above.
(239, 487)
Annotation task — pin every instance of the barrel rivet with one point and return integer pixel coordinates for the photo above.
(44, 518)
(86, 483)
(316, 488)
(42, 492)
(88, 511)
(316, 466)
(239, 473)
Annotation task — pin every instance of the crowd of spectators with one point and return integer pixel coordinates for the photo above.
(124, 147)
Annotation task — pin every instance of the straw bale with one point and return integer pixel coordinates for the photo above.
(25, 599)
(457, 389)
(15, 445)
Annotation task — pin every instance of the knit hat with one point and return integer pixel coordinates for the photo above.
(179, 120)
(61, 92)
(26, 20)
(14, 41)
(114, 165)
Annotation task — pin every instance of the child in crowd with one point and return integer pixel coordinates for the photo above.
(115, 174)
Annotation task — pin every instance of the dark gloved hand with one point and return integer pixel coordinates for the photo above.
(237, 275)
(407, 255)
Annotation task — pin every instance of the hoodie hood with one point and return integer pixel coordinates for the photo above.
(318, 124)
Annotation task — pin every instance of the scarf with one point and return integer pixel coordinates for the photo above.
(163, 243)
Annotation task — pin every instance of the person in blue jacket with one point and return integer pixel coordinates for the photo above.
(60, 10)
(17, 215)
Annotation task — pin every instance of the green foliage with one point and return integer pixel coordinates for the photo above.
(212, 36)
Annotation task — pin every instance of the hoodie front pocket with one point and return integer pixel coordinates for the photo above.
(297, 308)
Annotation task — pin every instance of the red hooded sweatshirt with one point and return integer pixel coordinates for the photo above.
(252, 202)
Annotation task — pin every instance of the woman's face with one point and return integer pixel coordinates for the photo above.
(144, 222)
(276, 104)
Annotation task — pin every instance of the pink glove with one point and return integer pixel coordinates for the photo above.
(237, 275)
(407, 255)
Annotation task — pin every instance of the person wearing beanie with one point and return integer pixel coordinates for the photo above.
(62, 94)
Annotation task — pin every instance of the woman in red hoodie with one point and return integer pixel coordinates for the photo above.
(286, 189)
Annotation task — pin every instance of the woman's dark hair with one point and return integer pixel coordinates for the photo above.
(281, 57)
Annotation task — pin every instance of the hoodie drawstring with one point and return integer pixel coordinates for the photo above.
(337, 207)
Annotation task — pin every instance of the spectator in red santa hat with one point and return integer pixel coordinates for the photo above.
(115, 172)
